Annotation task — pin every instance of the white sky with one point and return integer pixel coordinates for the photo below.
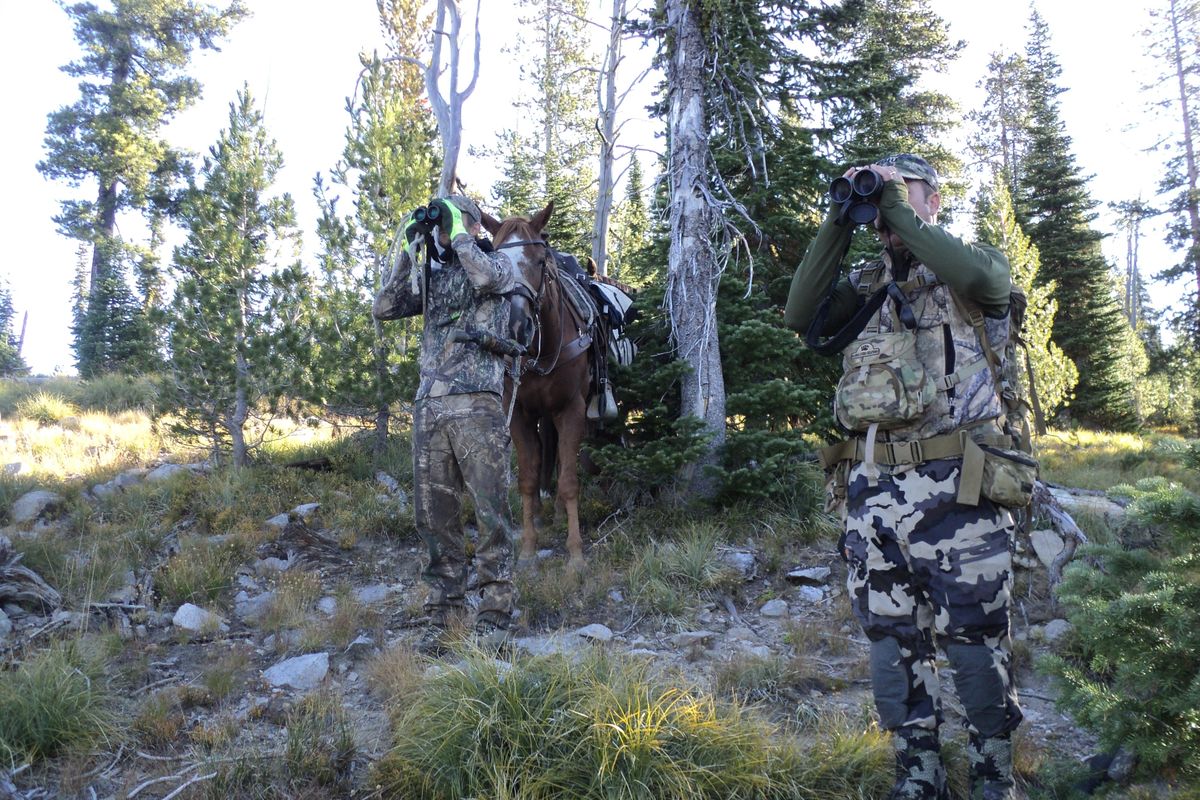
(300, 60)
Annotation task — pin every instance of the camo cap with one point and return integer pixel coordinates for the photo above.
(467, 206)
(913, 167)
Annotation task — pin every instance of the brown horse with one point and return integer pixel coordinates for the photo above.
(553, 377)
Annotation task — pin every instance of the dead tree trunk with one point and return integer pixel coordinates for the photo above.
(447, 109)
(606, 89)
(693, 270)
(1192, 189)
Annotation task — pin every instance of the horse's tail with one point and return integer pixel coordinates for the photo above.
(548, 436)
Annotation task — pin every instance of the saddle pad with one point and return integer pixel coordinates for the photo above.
(581, 303)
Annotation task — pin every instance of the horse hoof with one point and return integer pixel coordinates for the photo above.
(576, 564)
(527, 563)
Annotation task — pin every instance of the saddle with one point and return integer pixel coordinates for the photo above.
(602, 307)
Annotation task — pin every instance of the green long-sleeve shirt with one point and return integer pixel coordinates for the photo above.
(977, 272)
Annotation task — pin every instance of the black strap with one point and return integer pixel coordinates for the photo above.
(850, 331)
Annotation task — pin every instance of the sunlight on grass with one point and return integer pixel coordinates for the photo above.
(1098, 460)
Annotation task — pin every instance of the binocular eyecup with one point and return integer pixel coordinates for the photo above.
(428, 216)
(857, 197)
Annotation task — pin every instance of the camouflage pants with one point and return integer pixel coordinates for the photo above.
(462, 442)
(924, 570)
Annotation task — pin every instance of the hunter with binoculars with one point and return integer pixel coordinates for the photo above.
(439, 268)
(923, 482)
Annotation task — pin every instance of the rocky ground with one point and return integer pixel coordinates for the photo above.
(312, 613)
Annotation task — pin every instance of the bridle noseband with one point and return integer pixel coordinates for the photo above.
(535, 299)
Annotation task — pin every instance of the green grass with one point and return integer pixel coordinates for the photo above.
(55, 701)
(1097, 460)
(46, 408)
(604, 729)
(201, 572)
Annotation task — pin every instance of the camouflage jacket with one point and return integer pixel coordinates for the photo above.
(467, 293)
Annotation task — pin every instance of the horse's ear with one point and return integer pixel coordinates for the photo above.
(490, 223)
(542, 217)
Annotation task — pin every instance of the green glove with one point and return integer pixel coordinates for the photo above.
(412, 228)
(450, 212)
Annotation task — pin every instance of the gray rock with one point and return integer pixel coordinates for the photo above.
(361, 647)
(14, 468)
(327, 606)
(1120, 769)
(743, 633)
(760, 651)
(166, 472)
(774, 608)
(643, 652)
(1056, 629)
(595, 633)
(741, 561)
(544, 554)
(266, 566)
(302, 672)
(279, 521)
(1047, 544)
(195, 619)
(616, 596)
(253, 609)
(1025, 561)
(305, 511)
(809, 576)
(547, 645)
(6, 626)
(34, 505)
(72, 619)
(375, 593)
(1094, 505)
(247, 583)
(810, 594)
(691, 638)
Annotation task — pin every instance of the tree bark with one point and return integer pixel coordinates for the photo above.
(693, 272)
(1193, 172)
(447, 110)
(607, 89)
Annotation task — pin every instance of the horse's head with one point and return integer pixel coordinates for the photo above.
(521, 240)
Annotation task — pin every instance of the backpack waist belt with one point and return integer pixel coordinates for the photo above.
(949, 445)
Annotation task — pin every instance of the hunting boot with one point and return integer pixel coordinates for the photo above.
(445, 627)
(991, 767)
(919, 771)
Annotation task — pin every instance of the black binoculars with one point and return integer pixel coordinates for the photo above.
(428, 217)
(857, 197)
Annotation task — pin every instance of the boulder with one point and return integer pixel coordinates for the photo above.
(811, 594)
(692, 638)
(165, 472)
(195, 619)
(1056, 629)
(376, 593)
(595, 633)
(34, 505)
(302, 672)
(327, 605)
(774, 608)
(742, 562)
(253, 609)
(809, 576)
(1047, 544)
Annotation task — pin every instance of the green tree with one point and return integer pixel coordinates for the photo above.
(132, 82)
(1056, 210)
(1001, 124)
(554, 160)
(11, 362)
(388, 166)
(1175, 41)
(236, 345)
(1055, 375)
(630, 230)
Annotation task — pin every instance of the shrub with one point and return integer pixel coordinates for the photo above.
(53, 701)
(1131, 671)
(602, 729)
(200, 572)
(45, 408)
(114, 393)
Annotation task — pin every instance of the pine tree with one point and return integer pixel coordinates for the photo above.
(1001, 135)
(1055, 375)
(132, 83)
(236, 345)
(630, 229)
(555, 160)
(11, 362)
(1176, 42)
(1056, 210)
(388, 165)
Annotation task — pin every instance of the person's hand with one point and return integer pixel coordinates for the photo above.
(450, 220)
(887, 173)
(412, 228)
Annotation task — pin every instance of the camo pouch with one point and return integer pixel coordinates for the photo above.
(1008, 476)
(837, 484)
(885, 383)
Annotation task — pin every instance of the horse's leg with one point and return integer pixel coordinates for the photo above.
(570, 424)
(529, 456)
